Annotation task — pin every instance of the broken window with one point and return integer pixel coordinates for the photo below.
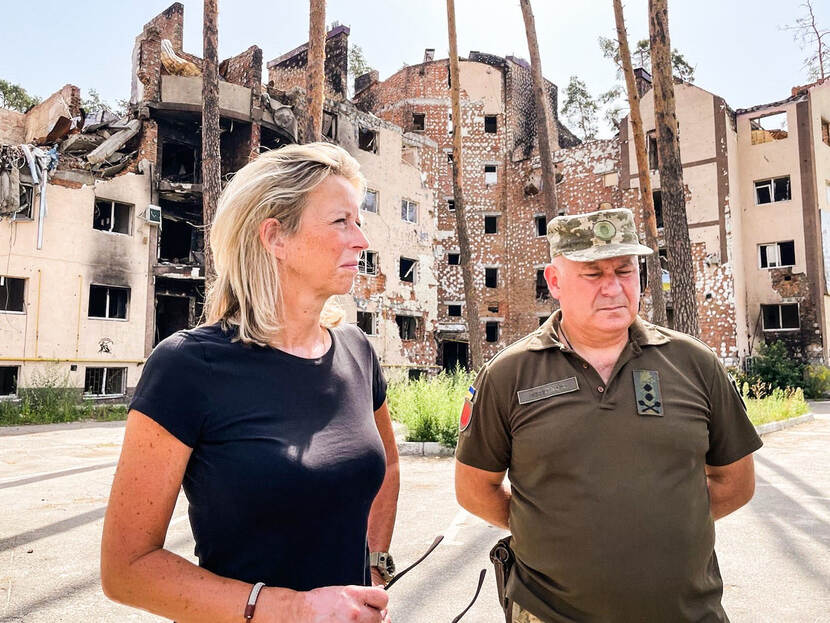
(181, 162)
(541, 224)
(653, 158)
(11, 294)
(415, 374)
(657, 198)
(449, 123)
(367, 264)
(370, 201)
(493, 307)
(490, 124)
(418, 122)
(825, 131)
(112, 216)
(366, 322)
(453, 310)
(105, 381)
(8, 380)
(27, 200)
(407, 327)
(329, 125)
(108, 302)
(180, 241)
(542, 292)
(777, 254)
(769, 191)
(490, 175)
(453, 259)
(367, 140)
(451, 205)
(408, 268)
(768, 128)
(491, 330)
(409, 211)
(780, 317)
(491, 224)
(491, 277)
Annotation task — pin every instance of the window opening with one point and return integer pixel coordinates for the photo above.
(491, 224)
(366, 322)
(367, 140)
(108, 302)
(11, 294)
(490, 124)
(492, 331)
(367, 264)
(768, 128)
(370, 201)
(407, 269)
(777, 254)
(491, 277)
(112, 216)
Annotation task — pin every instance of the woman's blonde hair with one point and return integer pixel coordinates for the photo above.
(246, 292)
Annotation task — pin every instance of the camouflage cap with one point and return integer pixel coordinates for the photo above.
(595, 236)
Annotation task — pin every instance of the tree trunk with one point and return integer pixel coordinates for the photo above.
(653, 268)
(671, 174)
(211, 161)
(470, 298)
(316, 76)
(542, 120)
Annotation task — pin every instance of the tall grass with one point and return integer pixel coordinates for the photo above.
(48, 399)
(430, 406)
(765, 403)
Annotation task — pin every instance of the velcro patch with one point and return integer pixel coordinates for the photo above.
(533, 394)
(466, 416)
(647, 392)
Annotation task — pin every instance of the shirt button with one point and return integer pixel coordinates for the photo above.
(600, 389)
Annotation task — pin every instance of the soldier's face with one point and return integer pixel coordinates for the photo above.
(599, 297)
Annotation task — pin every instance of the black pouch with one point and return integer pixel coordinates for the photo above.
(503, 558)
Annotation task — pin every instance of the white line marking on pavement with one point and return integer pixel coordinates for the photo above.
(455, 527)
(56, 473)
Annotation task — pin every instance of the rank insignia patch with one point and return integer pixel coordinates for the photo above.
(467, 409)
(647, 392)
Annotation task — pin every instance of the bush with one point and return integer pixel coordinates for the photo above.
(776, 368)
(430, 406)
(816, 381)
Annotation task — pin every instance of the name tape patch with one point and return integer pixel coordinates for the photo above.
(541, 392)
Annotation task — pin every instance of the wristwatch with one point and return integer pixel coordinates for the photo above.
(382, 561)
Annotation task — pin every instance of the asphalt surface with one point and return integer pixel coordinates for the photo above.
(54, 481)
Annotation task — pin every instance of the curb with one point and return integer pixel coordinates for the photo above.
(423, 448)
(772, 427)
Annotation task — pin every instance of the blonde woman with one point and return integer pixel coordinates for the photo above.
(272, 418)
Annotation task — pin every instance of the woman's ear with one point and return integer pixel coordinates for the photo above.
(272, 237)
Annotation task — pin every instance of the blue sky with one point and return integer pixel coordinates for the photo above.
(737, 46)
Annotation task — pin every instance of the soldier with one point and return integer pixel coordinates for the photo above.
(622, 441)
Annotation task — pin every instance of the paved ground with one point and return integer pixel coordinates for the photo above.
(54, 482)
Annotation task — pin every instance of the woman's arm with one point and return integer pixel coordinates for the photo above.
(385, 505)
(137, 570)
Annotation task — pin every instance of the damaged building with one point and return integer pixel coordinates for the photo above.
(103, 213)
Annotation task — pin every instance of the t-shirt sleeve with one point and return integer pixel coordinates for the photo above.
(484, 439)
(171, 390)
(378, 382)
(731, 435)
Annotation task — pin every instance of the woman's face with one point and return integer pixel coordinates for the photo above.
(323, 254)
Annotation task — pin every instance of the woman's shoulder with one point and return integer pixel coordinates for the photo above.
(190, 345)
(351, 335)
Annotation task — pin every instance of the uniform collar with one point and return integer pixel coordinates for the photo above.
(641, 333)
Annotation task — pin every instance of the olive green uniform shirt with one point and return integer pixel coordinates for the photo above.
(610, 507)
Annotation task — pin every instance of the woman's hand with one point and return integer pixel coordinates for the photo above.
(345, 604)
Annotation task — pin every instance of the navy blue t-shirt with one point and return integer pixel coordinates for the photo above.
(286, 459)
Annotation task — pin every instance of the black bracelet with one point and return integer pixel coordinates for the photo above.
(251, 605)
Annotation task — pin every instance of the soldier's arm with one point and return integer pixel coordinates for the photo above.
(483, 493)
(730, 486)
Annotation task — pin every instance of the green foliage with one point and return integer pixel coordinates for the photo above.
(581, 108)
(430, 407)
(48, 399)
(816, 381)
(776, 368)
(94, 101)
(770, 404)
(15, 97)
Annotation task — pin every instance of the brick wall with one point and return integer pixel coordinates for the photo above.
(289, 70)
